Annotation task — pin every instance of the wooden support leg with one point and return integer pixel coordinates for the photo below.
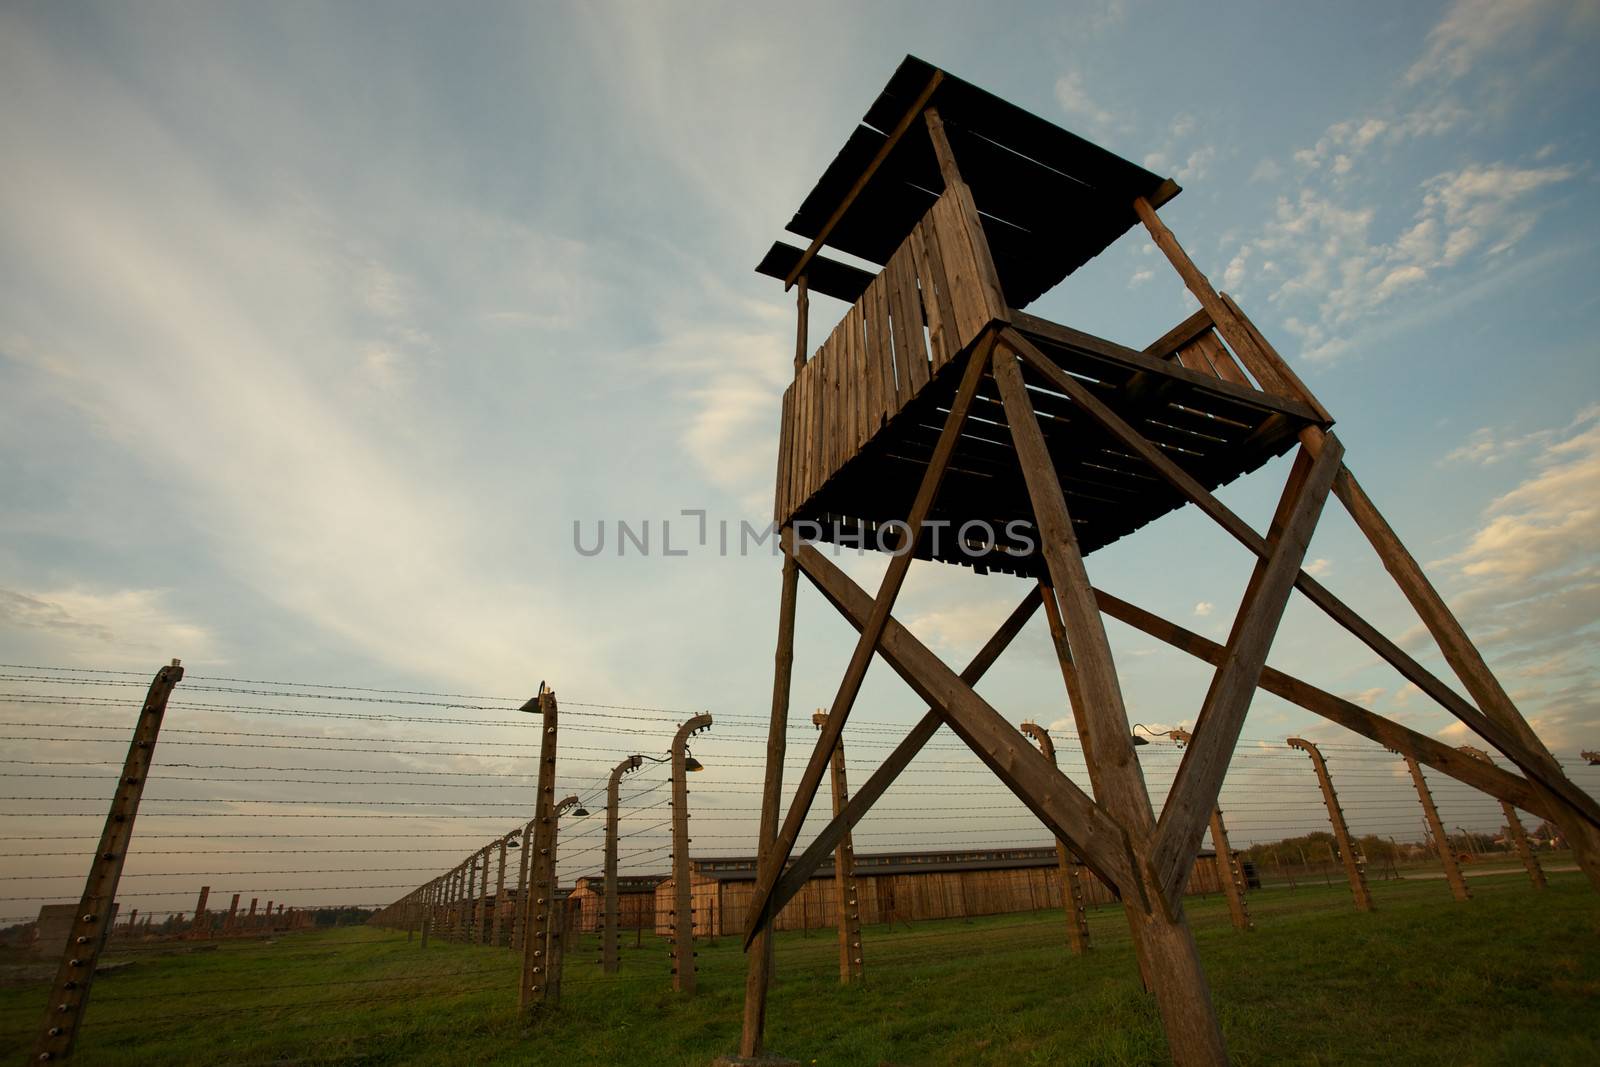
(1468, 664)
(799, 872)
(1182, 993)
(759, 952)
(1205, 760)
(861, 658)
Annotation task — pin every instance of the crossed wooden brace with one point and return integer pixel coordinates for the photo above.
(1118, 850)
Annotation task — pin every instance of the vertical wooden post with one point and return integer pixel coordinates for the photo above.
(683, 963)
(481, 913)
(91, 924)
(495, 937)
(758, 954)
(132, 919)
(848, 920)
(1066, 860)
(233, 915)
(201, 926)
(519, 914)
(1168, 957)
(1353, 868)
(1228, 872)
(1519, 836)
(1441, 840)
(609, 958)
(250, 920)
(758, 973)
(556, 954)
(535, 990)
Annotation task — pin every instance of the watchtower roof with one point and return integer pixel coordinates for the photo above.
(1049, 200)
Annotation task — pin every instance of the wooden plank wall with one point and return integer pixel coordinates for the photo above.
(633, 909)
(720, 906)
(927, 304)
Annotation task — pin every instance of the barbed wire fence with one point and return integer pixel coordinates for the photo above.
(332, 802)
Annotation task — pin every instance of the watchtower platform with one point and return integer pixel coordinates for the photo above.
(1032, 204)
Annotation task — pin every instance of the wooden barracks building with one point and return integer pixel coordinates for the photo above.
(894, 887)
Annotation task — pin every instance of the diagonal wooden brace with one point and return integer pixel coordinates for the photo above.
(1424, 749)
(795, 876)
(856, 671)
(1498, 736)
(1216, 730)
(1065, 810)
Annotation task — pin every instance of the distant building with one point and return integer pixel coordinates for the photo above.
(897, 886)
(636, 902)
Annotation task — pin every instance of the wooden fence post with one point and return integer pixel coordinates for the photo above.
(233, 915)
(542, 931)
(481, 912)
(201, 926)
(1519, 836)
(851, 956)
(1352, 864)
(1441, 840)
(91, 924)
(500, 894)
(519, 914)
(609, 960)
(683, 961)
(1228, 872)
(1066, 860)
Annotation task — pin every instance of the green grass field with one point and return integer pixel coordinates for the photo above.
(1511, 977)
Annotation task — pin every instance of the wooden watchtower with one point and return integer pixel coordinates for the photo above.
(937, 404)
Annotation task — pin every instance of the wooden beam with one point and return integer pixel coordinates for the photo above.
(758, 967)
(856, 671)
(1408, 742)
(796, 874)
(1232, 330)
(860, 183)
(1112, 352)
(1165, 346)
(1335, 608)
(1168, 957)
(1063, 808)
(1468, 664)
(1281, 365)
(1216, 730)
(1093, 688)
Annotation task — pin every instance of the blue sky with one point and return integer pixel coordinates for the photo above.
(321, 325)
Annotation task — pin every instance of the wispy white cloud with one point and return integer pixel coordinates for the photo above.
(126, 626)
(1322, 264)
(1203, 609)
(1077, 103)
(185, 357)
(1528, 581)
(1335, 251)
